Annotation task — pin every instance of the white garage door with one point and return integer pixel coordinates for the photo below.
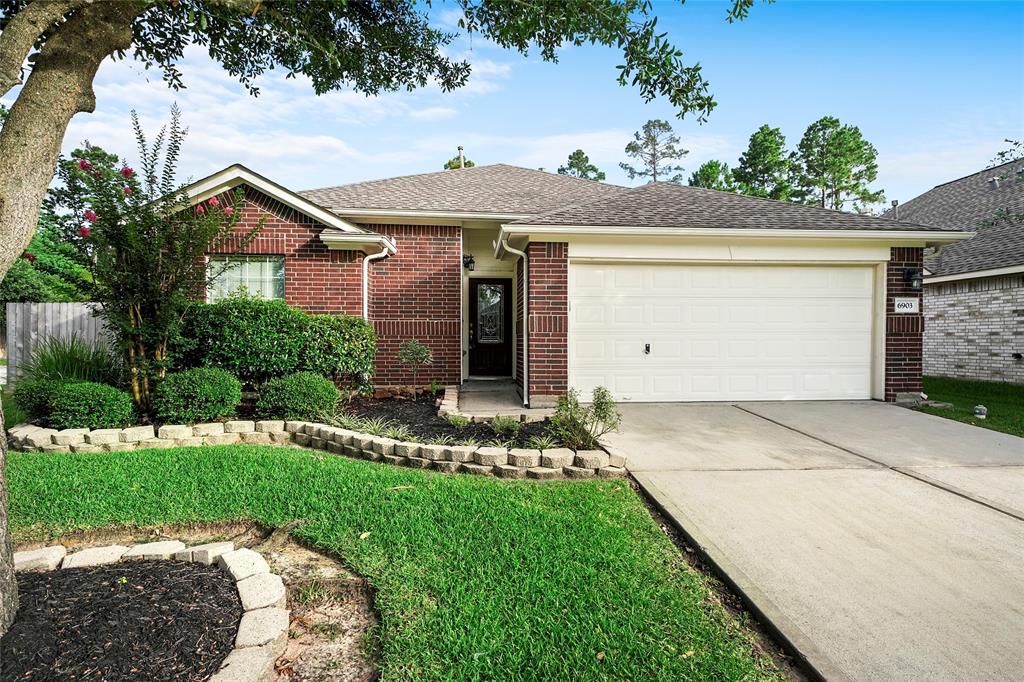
(721, 332)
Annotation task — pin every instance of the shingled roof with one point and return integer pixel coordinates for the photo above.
(498, 189)
(969, 203)
(667, 205)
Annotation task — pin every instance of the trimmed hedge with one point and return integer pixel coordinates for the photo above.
(34, 396)
(197, 395)
(302, 395)
(87, 405)
(258, 340)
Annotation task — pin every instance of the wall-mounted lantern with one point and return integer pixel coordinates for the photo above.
(914, 278)
(469, 262)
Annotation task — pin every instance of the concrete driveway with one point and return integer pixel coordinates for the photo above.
(884, 544)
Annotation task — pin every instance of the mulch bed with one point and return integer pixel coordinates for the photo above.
(139, 620)
(419, 415)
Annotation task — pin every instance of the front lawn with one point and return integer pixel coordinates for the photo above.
(1005, 402)
(476, 579)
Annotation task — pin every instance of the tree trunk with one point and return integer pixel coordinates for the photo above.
(59, 86)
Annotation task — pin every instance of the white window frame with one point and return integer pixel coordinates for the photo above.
(272, 287)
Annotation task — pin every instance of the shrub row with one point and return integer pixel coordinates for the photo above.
(259, 340)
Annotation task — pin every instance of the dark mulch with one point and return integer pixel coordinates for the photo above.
(140, 620)
(419, 415)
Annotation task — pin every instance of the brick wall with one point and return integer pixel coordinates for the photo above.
(973, 327)
(413, 294)
(417, 293)
(548, 320)
(903, 333)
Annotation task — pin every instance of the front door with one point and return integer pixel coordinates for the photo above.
(490, 327)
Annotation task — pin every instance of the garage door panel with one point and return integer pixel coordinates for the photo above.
(721, 332)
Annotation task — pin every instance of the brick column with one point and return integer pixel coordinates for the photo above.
(903, 332)
(548, 321)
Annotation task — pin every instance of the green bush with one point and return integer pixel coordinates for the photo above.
(302, 395)
(88, 405)
(34, 395)
(253, 338)
(579, 426)
(68, 359)
(197, 395)
(337, 346)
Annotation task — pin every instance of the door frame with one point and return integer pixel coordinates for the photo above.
(510, 319)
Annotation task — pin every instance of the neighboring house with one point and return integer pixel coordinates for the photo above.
(659, 292)
(974, 290)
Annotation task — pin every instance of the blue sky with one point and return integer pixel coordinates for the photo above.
(936, 86)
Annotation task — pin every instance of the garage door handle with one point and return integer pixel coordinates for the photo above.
(647, 349)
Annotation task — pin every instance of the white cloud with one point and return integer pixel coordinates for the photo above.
(432, 113)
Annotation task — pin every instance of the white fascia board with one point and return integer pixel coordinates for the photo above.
(339, 241)
(237, 174)
(926, 236)
(976, 274)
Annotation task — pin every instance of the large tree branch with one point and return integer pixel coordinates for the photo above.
(22, 33)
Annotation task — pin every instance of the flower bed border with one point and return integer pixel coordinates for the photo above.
(516, 463)
(263, 630)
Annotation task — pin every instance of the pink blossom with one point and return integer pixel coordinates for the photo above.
(84, 165)
(84, 231)
(214, 201)
(29, 256)
(128, 191)
(90, 215)
(200, 210)
(228, 211)
(127, 172)
(98, 175)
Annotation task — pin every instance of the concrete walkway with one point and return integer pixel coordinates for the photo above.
(882, 543)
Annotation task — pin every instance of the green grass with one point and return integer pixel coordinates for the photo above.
(476, 579)
(12, 413)
(1005, 402)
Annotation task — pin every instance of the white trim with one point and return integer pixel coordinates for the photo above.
(976, 274)
(346, 241)
(931, 237)
(237, 174)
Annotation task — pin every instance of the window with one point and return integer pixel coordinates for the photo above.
(261, 276)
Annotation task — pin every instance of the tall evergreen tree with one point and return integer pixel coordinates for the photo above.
(763, 169)
(578, 165)
(655, 146)
(834, 165)
(713, 174)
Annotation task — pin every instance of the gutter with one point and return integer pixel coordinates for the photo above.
(366, 278)
(526, 318)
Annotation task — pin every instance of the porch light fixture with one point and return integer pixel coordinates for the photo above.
(914, 278)
(469, 262)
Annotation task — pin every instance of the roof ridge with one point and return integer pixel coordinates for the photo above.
(971, 175)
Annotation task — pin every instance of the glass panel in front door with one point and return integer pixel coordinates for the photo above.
(490, 313)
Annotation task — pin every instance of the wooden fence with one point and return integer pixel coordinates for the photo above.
(28, 324)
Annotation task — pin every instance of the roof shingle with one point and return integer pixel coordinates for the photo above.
(497, 189)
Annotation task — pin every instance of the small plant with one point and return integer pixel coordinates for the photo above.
(415, 355)
(342, 420)
(470, 441)
(458, 421)
(580, 426)
(297, 396)
(398, 432)
(499, 443)
(88, 405)
(446, 439)
(541, 443)
(197, 395)
(506, 427)
(435, 386)
(376, 426)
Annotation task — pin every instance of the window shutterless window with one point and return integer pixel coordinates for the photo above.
(261, 276)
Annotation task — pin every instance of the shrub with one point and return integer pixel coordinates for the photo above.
(579, 426)
(88, 405)
(506, 427)
(338, 346)
(253, 338)
(34, 395)
(72, 358)
(416, 355)
(197, 395)
(297, 396)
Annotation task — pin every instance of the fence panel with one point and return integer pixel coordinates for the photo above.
(28, 324)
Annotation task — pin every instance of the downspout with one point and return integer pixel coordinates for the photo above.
(526, 319)
(366, 280)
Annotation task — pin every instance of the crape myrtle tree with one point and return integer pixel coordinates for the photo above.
(53, 48)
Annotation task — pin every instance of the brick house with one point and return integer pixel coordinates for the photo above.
(659, 292)
(974, 290)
